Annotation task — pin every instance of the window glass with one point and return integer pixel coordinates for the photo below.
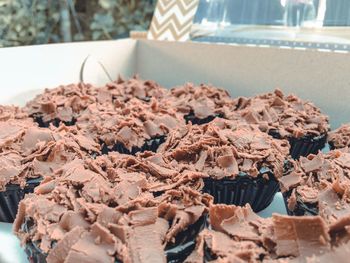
(299, 23)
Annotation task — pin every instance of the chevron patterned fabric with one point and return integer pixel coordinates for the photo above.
(172, 20)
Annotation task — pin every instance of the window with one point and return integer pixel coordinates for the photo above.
(305, 23)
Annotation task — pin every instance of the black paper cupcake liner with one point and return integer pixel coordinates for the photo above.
(208, 255)
(195, 120)
(10, 199)
(303, 146)
(301, 208)
(55, 122)
(177, 252)
(34, 254)
(331, 146)
(185, 242)
(149, 145)
(244, 189)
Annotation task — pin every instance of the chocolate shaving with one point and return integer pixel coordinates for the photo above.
(100, 215)
(322, 180)
(33, 152)
(225, 149)
(279, 238)
(288, 115)
(340, 138)
(203, 101)
(300, 236)
(129, 124)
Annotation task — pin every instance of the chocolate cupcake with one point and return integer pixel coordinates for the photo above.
(339, 138)
(199, 105)
(28, 154)
(241, 164)
(11, 112)
(131, 127)
(306, 181)
(64, 104)
(287, 117)
(86, 214)
(125, 90)
(60, 105)
(13, 142)
(164, 174)
(236, 234)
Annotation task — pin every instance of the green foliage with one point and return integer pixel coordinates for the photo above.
(26, 22)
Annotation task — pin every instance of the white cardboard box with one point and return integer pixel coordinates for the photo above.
(322, 77)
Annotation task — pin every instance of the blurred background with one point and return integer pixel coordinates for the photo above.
(294, 22)
(28, 22)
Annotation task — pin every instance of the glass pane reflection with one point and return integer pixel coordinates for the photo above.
(317, 21)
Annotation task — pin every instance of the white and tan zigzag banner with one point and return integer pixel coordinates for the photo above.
(172, 20)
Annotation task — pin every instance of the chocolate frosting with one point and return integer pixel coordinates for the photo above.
(203, 101)
(12, 112)
(317, 179)
(165, 175)
(12, 133)
(288, 115)
(340, 138)
(28, 151)
(91, 208)
(65, 103)
(129, 124)
(123, 112)
(90, 215)
(237, 234)
(225, 148)
(125, 90)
